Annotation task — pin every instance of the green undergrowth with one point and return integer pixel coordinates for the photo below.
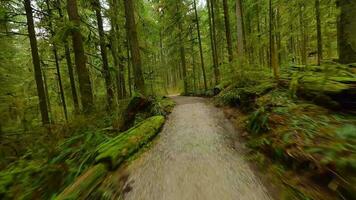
(316, 142)
(49, 159)
(111, 154)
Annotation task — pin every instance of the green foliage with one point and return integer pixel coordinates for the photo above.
(258, 121)
(162, 106)
(44, 170)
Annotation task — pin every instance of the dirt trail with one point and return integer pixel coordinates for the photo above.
(192, 160)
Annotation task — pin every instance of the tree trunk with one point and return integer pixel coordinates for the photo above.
(71, 77)
(303, 34)
(318, 31)
(135, 48)
(56, 59)
(36, 63)
(273, 57)
(80, 59)
(200, 45)
(213, 41)
(129, 68)
(347, 31)
(227, 30)
(69, 65)
(240, 30)
(104, 55)
(182, 57)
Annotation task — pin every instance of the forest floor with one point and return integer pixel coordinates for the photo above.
(195, 157)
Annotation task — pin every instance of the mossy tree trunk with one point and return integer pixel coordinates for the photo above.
(200, 45)
(104, 55)
(318, 30)
(347, 31)
(227, 30)
(134, 45)
(85, 89)
(36, 63)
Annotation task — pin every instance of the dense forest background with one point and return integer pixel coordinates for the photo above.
(69, 64)
(208, 41)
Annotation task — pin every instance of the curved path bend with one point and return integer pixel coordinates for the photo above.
(192, 160)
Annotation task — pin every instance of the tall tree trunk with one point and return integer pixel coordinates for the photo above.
(129, 82)
(318, 31)
(227, 30)
(347, 31)
(104, 55)
(86, 93)
(56, 59)
(240, 30)
(117, 50)
(135, 48)
(303, 34)
(71, 77)
(193, 63)
(182, 53)
(69, 65)
(200, 45)
(273, 56)
(213, 41)
(36, 63)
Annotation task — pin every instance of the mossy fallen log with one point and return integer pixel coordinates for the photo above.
(85, 184)
(331, 85)
(118, 149)
(110, 155)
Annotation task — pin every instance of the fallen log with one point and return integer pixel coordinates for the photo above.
(85, 184)
(110, 155)
(330, 85)
(118, 149)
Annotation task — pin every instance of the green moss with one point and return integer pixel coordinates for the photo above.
(118, 149)
(83, 186)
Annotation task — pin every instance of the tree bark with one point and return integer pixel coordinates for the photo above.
(273, 57)
(303, 34)
(36, 63)
(200, 45)
(182, 50)
(347, 31)
(80, 59)
(227, 30)
(135, 48)
(213, 41)
(240, 30)
(318, 31)
(69, 65)
(56, 59)
(104, 55)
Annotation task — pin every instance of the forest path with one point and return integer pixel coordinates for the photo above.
(193, 160)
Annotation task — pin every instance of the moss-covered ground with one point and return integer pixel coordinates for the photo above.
(310, 145)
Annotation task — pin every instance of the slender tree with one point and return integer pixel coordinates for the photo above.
(318, 31)
(134, 45)
(56, 59)
(181, 47)
(200, 45)
(240, 30)
(104, 54)
(213, 41)
(69, 64)
(272, 51)
(36, 63)
(227, 30)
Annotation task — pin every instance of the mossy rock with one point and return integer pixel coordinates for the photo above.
(118, 149)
